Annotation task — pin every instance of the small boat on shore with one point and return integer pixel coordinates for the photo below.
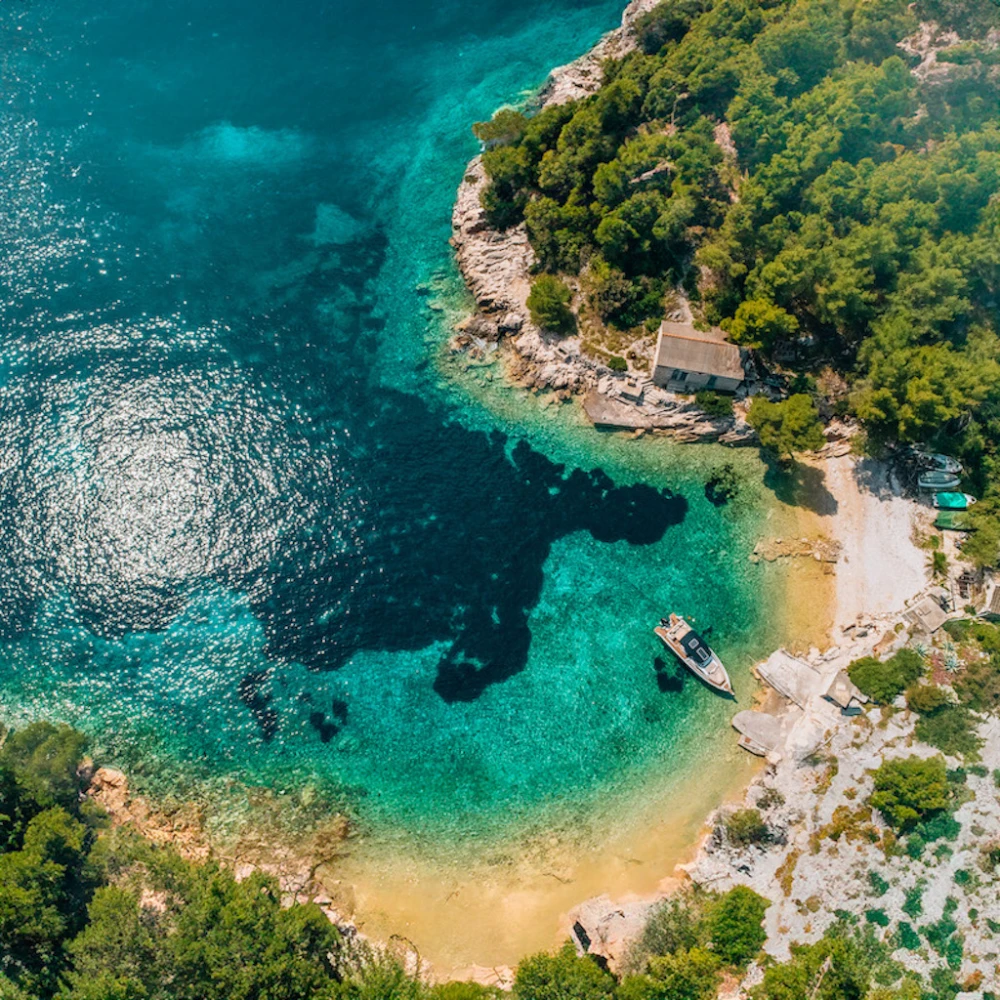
(692, 650)
(953, 501)
(936, 482)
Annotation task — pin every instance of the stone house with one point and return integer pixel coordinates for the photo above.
(688, 359)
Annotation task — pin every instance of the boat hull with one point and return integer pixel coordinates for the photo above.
(712, 673)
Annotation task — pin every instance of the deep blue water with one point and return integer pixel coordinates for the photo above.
(244, 528)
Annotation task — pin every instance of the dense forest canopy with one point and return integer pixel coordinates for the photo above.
(781, 161)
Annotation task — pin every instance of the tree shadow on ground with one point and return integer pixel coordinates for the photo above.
(799, 485)
(883, 479)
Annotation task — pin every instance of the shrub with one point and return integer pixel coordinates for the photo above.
(713, 403)
(882, 682)
(548, 303)
(672, 926)
(907, 936)
(952, 729)
(745, 827)
(562, 976)
(913, 904)
(879, 885)
(770, 798)
(938, 933)
(910, 789)
(617, 363)
(979, 685)
(877, 917)
(735, 925)
(926, 698)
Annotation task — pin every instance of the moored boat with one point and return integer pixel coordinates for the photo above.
(938, 463)
(937, 482)
(692, 650)
(953, 501)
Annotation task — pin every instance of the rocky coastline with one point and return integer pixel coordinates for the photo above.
(496, 267)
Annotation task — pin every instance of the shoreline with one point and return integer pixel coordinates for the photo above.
(598, 884)
(532, 887)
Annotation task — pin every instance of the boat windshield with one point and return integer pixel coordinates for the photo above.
(695, 647)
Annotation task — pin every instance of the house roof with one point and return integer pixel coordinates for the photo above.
(681, 346)
(842, 691)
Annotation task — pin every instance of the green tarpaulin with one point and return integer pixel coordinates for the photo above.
(952, 520)
(950, 501)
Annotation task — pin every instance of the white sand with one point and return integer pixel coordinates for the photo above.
(881, 567)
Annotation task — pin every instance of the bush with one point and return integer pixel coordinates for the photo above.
(617, 364)
(910, 789)
(745, 827)
(562, 976)
(907, 936)
(883, 682)
(735, 925)
(877, 917)
(951, 729)
(913, 904)
(674, 925)
(926, 698)
(770, 798)
(879, 885)
(713, 403)
(548, 303)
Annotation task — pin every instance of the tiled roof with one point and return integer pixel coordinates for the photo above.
(682, 346)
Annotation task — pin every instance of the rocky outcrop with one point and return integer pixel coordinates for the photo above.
(181, 826)
(601, 927)
(302, 865)
(497, 265)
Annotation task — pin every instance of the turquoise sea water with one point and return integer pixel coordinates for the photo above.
(251, 530)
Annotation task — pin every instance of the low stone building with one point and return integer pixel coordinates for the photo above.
(688, 359)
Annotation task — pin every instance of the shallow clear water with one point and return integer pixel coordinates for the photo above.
(250, 530)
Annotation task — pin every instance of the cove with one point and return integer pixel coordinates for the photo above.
(251, 533)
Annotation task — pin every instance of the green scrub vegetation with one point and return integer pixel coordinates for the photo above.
(779, 161)
(88, 912)
(885, 681)
(911, 789)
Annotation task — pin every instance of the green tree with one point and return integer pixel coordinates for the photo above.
(43, 889)
(685, 975)
(463, 991)
(375, 975)
(910, 789)
(676, 924)
(834, 968)
(735, 925)
(234, 941)
(119, 945)
(548, 302)
(39, 769)
(761, 324)
(982, 547)
(785, 428)
(562, 976)
(911, 392)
